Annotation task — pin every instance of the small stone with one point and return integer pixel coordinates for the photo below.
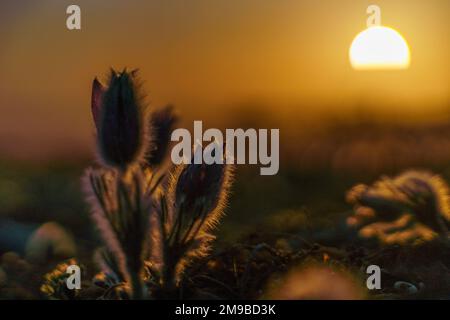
(405, 287)
(50, 240)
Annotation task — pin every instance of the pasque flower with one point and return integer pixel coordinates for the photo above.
(120, 118)
(162, 122)
(152, 227)
(197, 195)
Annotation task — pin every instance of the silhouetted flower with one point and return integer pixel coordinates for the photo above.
(162, 123)
(200, 188)
(121, 119)
(151, 230)
(197, 194)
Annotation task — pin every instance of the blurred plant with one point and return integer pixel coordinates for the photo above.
(153, 224)
(411, 208)
(162, 122)
(55, 283)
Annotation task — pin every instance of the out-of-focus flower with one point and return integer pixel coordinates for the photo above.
(411, 208)
(121, 120)
(49, 241)
(162, 122)
(315, 283)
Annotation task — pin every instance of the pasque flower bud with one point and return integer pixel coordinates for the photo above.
(197, 195)
(121, 120)
(162, 122)
(201, 188)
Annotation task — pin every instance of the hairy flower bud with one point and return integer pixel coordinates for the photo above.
(197, 195)
(121, 120)
(199, 187)
(162, 122)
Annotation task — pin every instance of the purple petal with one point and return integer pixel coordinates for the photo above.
(96, 100)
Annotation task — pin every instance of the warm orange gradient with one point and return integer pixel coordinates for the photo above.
(207, 58)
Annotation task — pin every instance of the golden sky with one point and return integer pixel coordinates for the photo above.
(206, 56)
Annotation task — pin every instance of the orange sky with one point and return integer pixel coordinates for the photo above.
(206, 56)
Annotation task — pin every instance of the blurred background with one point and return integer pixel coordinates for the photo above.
(231, 63)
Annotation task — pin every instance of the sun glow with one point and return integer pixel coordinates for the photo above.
(379, 48)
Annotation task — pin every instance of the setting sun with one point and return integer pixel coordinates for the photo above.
(379, 48)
